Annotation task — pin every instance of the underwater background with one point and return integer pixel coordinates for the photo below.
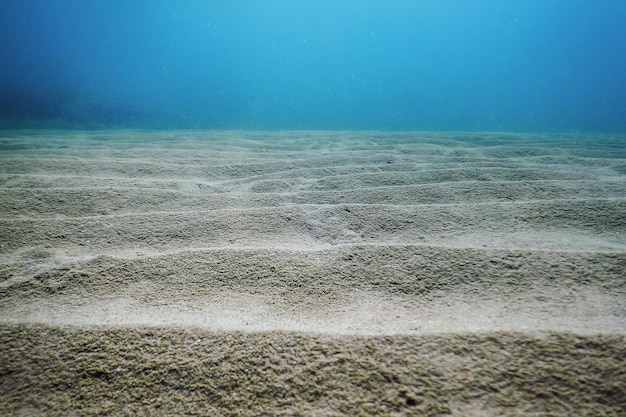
(522, 65)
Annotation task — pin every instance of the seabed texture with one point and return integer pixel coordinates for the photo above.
(312, 273)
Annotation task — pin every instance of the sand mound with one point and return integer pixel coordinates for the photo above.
(373, 248)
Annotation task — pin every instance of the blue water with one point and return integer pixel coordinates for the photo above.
(522, 65)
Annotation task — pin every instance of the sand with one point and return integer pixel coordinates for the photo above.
(312, 273)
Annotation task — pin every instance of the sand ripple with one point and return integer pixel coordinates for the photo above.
(466, 258)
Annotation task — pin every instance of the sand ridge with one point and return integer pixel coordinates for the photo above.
(367, 289)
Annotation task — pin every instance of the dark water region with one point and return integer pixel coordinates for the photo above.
(525, 65)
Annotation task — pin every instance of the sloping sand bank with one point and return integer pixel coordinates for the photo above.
(312, 273)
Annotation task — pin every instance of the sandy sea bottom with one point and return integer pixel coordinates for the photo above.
(312, 273)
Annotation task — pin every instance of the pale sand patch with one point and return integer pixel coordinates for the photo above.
(384, 303)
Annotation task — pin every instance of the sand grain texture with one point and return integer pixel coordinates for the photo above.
(312, 273)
